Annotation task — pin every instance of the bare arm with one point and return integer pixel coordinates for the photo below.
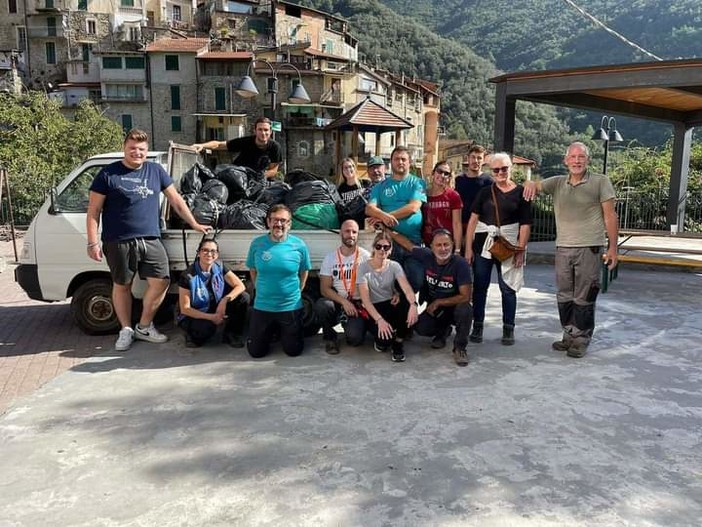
(209, 145)
(412, 314)
(95, 203)
(182, 209)
(327, 290)
(524, 234)
(470, 235)
(531, 189)
(303, 279)
(407, 210)
(457, 229)
(374, 211)
(612, 228)
(465, 292)
(271, 171)
(187, 309)
(401, 240)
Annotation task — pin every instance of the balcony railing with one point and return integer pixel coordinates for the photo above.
(44, 32)
(305, 121)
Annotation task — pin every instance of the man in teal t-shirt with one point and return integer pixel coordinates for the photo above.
(279, 264)
(396, 202)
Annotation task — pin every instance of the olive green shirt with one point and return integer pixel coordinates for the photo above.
(578, 209)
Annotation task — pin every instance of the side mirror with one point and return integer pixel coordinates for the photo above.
(53, 207)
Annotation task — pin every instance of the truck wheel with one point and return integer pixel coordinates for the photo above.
(309, 297)
(92, 309)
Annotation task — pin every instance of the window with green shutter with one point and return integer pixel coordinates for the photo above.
(176, 125)
(172, 63)
(112, 63)
(175, 97)
(134, 63)
(220, 99)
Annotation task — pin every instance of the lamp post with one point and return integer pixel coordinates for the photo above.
(247, 88)
(609, 134)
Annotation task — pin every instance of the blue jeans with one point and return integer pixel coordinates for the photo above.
(481, 283)
(414, 270)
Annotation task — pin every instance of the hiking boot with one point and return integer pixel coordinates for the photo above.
(150, 334)
(235, 341)
(379, 348)
(398, 352)
(476, 335)
(460, 356)
(124, 339)
(577, 351)
(331, 347)
(507, 335)
(561, 345)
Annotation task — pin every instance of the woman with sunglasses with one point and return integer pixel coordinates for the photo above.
(390, 318)
(443, 207)
(211, 295)
(512, 219)
(350, 187)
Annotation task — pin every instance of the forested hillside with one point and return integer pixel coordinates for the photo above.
(460, 44)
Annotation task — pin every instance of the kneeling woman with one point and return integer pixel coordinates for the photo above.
(209, 295)
(390, 318)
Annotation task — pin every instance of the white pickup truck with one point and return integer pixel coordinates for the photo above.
(54, 264)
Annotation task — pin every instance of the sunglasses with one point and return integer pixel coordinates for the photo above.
(443, 173)
(382, 247)
(497, 170)
(209, 251)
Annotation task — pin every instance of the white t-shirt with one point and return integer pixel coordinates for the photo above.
(340, 268)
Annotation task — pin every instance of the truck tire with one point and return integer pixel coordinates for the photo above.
(309, 296)
(92, 309)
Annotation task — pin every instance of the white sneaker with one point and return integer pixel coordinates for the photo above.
(150, 334)
(125, 339)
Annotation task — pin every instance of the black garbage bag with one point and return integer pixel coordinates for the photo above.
(353, 210)
(274, 193)
(193, 179)
(236, 179)
(206, 210)
(175, 221)
(216, 190)
(244, 214)
(298, 176)
(309, 192)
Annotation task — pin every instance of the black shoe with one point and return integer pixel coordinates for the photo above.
(508, 335)
(190, 343)
(331, 347)
(379, 348)
(438, 342)
(477, 334)
(398, 352)
(235, 341)
(460, 356)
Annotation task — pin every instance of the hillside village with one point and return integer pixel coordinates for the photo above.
(173, 69)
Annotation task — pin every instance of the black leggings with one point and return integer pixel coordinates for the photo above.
(200, 330)
(262, 328)
(396, 316)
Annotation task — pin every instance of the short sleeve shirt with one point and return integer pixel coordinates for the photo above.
(132, 200)
(468, 188)
(380, 283)
(578, 209)
(438, 213)
(340, 269)
(278, 266)
(513, 207)
(442, 281)
(392, 194)
(250, 155)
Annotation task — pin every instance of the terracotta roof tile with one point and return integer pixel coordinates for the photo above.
(183, 45)
(226, 55)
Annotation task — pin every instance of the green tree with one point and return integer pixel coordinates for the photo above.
(39, 145)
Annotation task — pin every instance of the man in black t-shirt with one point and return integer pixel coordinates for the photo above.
(446, 290)
(258, 152)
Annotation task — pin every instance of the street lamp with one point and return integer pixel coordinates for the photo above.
(247, 87)
(609, 134)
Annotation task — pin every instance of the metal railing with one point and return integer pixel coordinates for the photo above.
(636, 210)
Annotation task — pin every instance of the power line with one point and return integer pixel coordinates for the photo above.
(611, 31)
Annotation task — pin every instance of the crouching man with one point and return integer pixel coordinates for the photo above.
(446, 289)
(340, 301)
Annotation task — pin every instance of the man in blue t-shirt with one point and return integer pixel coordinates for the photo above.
(447, 288)
(396, 202)
(125, 196)
(279, 264)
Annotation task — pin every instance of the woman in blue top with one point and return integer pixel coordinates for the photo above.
(211, 295)
(279, 264)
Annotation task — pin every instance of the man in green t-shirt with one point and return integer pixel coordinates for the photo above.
(583, 205)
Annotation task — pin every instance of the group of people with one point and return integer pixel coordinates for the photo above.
(432, 248)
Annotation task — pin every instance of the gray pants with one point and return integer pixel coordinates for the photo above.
(578, 280)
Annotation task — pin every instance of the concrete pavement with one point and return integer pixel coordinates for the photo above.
(521, 437)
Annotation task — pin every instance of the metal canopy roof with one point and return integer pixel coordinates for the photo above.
(668, 91)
